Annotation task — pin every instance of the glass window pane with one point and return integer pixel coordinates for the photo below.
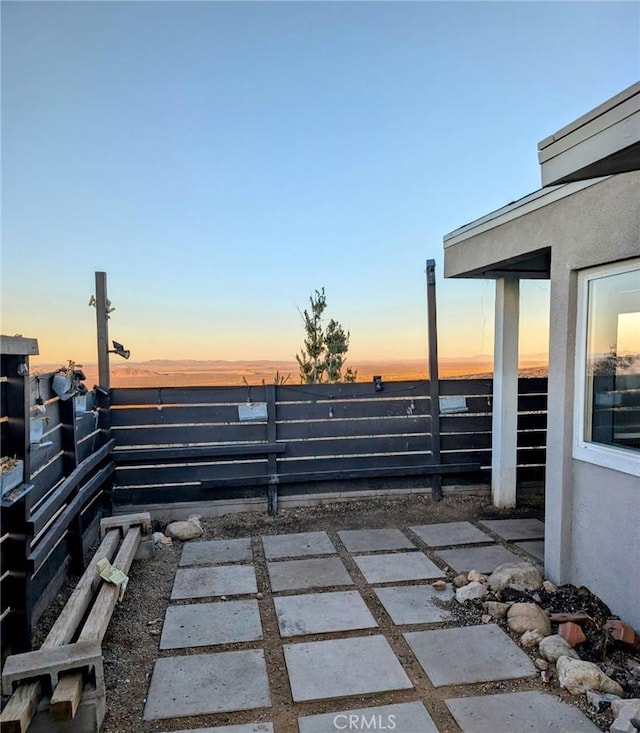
(612, 414)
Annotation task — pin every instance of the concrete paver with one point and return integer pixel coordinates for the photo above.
(206, 624)
(319, 613)
(518, 712)
(200, 684)
(223, 580)
(414, 604)
(342, 667)
(469, 654)
(249, 728)
(318, 572)
(393, 567)
(407, 717)
(450, 533)
(371, 540)
(484, 559)
(534, 547)
(516, 529)
(297, 545)
(213, 552)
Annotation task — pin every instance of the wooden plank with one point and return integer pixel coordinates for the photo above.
(18, 346)
(532, 438)
(43, 454)
(483, 457)
(321, 465)
(466, 441)
(89, 446)
(183, 435)
(531, 402)
(48, 476)
(95, 626)
(333, 428)
(86, 424)
(186, 473)
(176, 415)
(466, 386)
(42, 386)
(124, 496)
(463, 423)
(156, 455)
(46, 544)
(533, 385)
(65, 701)
(22, 705)
(351, 390)
(351, 409)
(154, 396)
(352, 446)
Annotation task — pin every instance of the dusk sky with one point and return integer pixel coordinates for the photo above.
(221, 160)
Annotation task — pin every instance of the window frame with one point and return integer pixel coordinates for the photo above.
(607, 456)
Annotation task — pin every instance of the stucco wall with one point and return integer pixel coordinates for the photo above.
(592, 513)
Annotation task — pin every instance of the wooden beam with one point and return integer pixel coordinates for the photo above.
(95, 627)
(22, 705)
(18, 346)
(505, 393)
(102, 326)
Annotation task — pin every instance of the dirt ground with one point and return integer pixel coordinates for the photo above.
(130, 647)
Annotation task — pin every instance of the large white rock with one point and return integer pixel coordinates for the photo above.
(553, 647)
(518, 575)
(186, 529)
(578, 676)
(523, 617)
(496, 609)
(471, 591)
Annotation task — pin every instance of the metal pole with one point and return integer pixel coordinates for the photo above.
(434, 379)
(102, 317)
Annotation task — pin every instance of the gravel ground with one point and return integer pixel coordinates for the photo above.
(131, 645)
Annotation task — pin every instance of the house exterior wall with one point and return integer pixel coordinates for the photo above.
(592, 513)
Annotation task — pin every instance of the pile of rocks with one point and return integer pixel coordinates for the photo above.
(567, 629)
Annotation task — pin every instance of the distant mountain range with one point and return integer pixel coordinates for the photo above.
(220, 372)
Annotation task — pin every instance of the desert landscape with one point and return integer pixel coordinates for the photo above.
(191, 373)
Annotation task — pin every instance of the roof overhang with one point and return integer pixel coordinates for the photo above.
(602, 142)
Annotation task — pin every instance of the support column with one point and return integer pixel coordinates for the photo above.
(505, 393)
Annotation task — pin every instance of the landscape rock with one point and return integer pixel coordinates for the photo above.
(471, 591)
(440, 585)
(625, 711)
(475, 576)
(530, 639)
(600, 700)
(486, 618)
(161, 539)
(522, 576)
(541, 664)
(553, 647)
(577, 676)
(496, 609)
(571, 633)
(549, 587)
(187, 529)
(460, 580)
(523, 617)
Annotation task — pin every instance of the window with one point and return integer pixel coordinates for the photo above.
(607, 425)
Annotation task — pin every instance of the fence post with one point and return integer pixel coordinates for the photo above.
(272, 461)
(102, 317)
(16, 512)
(434, 379)
(70, 461)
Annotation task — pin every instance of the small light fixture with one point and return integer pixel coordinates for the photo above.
(120, 350)
(23, 369)
(377, 383)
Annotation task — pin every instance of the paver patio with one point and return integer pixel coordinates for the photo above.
(450, 533)
(371, 540)
(482, 654)
(212, 552)
(318, 613)
(515, 529)
(207, 683)
(297, 545)
(343, 667)
(207, 624)
(534, 547)
(390, 568)
(225, 580)
(339, 671)
(485, 559)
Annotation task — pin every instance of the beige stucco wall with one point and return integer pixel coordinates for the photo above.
(592, 513)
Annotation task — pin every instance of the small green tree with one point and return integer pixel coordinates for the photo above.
(324, 351)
